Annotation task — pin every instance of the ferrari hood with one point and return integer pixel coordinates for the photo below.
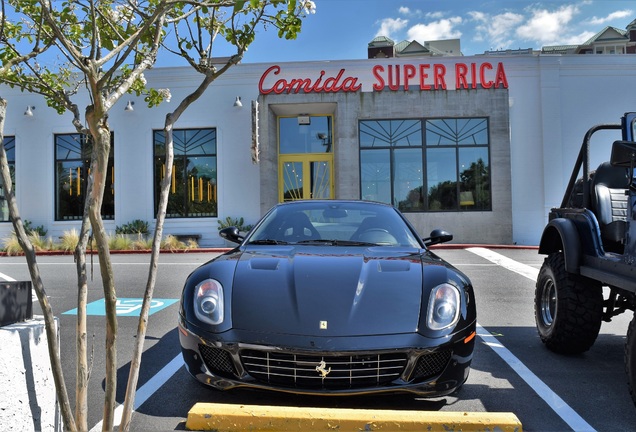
(327, 291)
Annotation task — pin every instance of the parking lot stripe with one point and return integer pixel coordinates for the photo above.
(505, 262)
(558, 405)
(147, 390)
(555, 402)
(6, 278)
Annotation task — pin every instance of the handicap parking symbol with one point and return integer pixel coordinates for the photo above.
(125, 307)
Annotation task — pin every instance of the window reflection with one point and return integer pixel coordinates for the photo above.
(193, 190)
(426, 165)
(315, 137)
(72, 168)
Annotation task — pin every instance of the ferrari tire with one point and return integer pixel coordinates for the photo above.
(630, 358)
(568, 309)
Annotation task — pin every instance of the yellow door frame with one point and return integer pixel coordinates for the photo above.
(305, 159)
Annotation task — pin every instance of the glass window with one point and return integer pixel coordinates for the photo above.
(9, 148)
(375, 175)
(72, 168)
(426, 164)
(193, 192)
(441, 179)
(312, 137)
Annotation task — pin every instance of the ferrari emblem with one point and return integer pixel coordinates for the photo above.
(322, 369)
(323, 325)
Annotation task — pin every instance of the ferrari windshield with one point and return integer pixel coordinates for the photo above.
(335, 223)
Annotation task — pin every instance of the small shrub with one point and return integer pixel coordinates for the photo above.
(137, 226)
(40, 243)
(142, 244)
(30, 229)
(172, 243)
(12, 246)
(120, 242)
(235, 222)
(69, 240)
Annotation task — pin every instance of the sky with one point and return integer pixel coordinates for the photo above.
(342, 29)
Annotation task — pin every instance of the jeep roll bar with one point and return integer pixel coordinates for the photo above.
(584, 160)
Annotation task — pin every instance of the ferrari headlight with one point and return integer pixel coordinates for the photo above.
(208, 302)
(443, 307)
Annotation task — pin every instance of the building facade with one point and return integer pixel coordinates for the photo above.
(481, 146)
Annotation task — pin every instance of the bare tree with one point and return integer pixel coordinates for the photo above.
(105, 46)
(13, 34)
(237, 22)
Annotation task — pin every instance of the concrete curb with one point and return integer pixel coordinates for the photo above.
(28, 400)
(230, 418)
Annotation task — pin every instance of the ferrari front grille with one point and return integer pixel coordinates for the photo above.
(323, 372)
(430, 365)
(217, 360)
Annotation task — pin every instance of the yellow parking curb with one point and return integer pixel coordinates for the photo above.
(230, 418)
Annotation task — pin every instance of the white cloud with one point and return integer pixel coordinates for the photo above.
(436, 30)
(547, 27)
(497, 30)
(434, 15)
(577, 39)
(404, 10)
(611, 17)
(388, 26)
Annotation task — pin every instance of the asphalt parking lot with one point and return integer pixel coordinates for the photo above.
(511, 370)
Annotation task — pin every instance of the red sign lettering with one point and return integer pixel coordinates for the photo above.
(306, 85)
(394, 77)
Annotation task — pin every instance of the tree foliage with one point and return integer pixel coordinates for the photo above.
(64, 49)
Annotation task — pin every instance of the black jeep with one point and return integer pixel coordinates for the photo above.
(590, 242)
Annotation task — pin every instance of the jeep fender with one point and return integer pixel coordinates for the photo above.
(561, 235)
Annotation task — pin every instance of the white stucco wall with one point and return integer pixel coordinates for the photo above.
(553, 100)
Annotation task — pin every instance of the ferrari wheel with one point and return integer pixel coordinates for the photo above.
(630, 358)
(568, 309)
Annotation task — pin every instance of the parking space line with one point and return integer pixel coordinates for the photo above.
(147, 390)
(6, 278)
(505, 262)
(554, 401)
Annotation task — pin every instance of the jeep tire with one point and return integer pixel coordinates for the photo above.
(630, 358)
(568, 308)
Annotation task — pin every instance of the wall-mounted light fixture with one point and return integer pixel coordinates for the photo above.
(129, 106)
(237, 102)
(29, 111)
(304, 119)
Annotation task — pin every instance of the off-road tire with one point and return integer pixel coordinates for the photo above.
(630, 358)
(568, 308)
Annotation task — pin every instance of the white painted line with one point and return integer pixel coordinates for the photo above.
(558, 405)
(555, 402)
(6, 278)
(147, 390)
(507, 263)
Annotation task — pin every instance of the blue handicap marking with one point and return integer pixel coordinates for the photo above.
(124, 307)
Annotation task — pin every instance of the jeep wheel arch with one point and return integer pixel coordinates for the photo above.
(561, 235)
(568, 308)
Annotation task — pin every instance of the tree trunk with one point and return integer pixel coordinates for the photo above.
(99, 166)
(171, 119)
(36, 279)
(82, 368)
(142, 327)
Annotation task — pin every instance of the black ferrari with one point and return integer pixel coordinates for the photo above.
(329, 297)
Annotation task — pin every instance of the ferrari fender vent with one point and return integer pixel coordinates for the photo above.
(431, 364)
(316, 372)
(218, 361)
